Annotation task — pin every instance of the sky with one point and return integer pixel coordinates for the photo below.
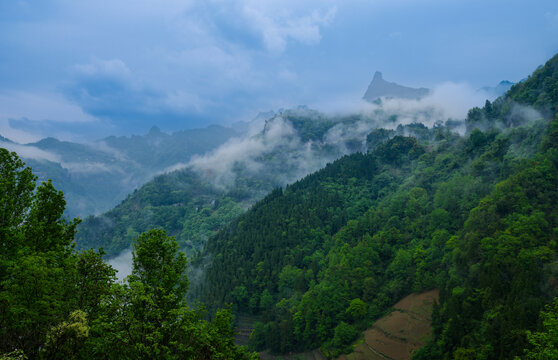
(83, 70)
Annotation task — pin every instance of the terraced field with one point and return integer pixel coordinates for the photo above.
(393, 337)
(397, 335)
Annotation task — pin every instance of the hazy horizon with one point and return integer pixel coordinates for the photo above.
(89, 69)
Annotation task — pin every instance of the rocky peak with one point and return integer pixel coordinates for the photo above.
(379, 88)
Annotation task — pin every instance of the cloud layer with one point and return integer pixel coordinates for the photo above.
(129, 64)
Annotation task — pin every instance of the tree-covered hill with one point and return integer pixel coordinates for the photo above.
(474, 216)
(192, 203)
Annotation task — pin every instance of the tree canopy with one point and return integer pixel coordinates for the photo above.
(56, 303)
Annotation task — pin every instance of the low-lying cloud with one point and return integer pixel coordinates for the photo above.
(219, 164)
(447, 101)
(122, 263)
(30, 152)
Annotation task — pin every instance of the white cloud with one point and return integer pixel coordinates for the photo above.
(113, 68)
(40, 106)
(218, 165)
(229, 65)
(89, 168)
(446, 100)
(108, 88)
(30, 152)
(277, 24)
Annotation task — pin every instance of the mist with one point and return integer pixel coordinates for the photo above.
(30, 152)
(122, 263)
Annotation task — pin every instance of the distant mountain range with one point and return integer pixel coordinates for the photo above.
(380, 88)
(96, 176)
(498, 90)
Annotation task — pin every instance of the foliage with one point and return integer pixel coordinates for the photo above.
(544, 344)
(316, 253)
(56, 303)
(182, 203)
(473, 216)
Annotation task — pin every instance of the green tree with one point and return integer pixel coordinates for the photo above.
(357, 309)
(344, 334)
(64, 341)
(148, 318)
(544, 344)
(160, 268)
(35, 259)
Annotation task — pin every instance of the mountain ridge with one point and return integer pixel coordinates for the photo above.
(380, 88)
(96, 176)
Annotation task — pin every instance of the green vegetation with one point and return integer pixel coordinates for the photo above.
(182, 203)
(316, 262)
(475, 217)
(56, 303)
(192, 205)
(545, 343)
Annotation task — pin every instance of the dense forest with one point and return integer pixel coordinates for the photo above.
(194, 202)
(474, 216)
(57, 303)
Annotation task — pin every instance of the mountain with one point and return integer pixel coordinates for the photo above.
(406, 209)
(200, 197)
(246, 126)
(498, 90)
(379, 88)
(158, 150)
(96, 176)
(193, 202)
(474, 216)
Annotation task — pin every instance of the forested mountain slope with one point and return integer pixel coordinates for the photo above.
(195, 201)
(474, 216)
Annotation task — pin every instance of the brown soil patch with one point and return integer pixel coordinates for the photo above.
(404, 327)
(308, 355)
(399, 334)
(387, 346)
(362, 352)
(419, 304)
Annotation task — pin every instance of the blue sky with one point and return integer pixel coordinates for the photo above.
(89, 68)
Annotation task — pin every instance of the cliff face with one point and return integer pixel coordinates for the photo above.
(380, 88)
